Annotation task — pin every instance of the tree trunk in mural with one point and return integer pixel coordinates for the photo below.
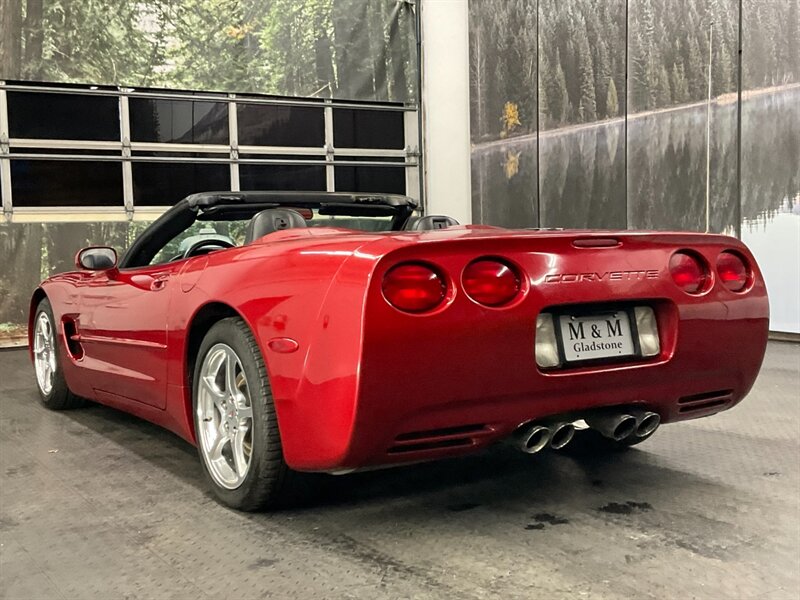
(21, 246)
(354, 64)
(34, 36)
(10, 40)
(323, 60)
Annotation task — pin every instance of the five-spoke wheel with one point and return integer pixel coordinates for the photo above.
(225, 414)
(47, 344)
(234, 417)
(44, 353)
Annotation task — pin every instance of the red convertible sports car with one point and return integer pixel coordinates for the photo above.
(329, 332)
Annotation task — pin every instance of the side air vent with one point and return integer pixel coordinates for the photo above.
(705, 401)
(73, 339)
(434, 439)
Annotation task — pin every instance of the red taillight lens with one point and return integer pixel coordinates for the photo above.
(688, 272)
(491, 282)
(414, 287)
(732, 271)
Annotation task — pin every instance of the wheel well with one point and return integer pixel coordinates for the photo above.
(202, 322)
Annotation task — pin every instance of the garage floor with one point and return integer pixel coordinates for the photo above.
(96, 504)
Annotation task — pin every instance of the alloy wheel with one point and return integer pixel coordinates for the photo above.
(224, 417)
(44, 353)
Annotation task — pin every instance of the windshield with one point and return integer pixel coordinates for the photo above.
(231, 233)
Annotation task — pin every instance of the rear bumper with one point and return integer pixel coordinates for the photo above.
(465, 400)
(403, 423)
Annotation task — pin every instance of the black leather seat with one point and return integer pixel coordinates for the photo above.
(272, 219)
(430, 222)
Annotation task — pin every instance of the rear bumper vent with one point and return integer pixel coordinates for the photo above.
(705, 401)
(436, 439)
(419, 447)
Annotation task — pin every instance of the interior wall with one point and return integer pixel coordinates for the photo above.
(445, 108)
(623, 133)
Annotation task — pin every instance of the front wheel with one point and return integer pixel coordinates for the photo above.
(53, 389)
(235, 421)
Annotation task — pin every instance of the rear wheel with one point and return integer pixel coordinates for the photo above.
(47, 356)
(235, 421)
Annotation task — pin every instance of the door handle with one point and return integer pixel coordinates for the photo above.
(159, 282)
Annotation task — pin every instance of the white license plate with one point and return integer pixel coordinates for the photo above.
(590, 337)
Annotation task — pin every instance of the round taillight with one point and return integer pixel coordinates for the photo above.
(414, 287)
(732, 271)
(688, 272)
(491, 282)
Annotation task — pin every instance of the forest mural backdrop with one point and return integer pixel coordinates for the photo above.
(593, 113)
(354, 49)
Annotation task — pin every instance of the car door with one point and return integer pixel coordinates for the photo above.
(122, 327)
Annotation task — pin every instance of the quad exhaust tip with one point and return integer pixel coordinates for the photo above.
(620, 426)
(561, 434)
(535, 437)
(531, 437)
(648, 422)
(614, 426)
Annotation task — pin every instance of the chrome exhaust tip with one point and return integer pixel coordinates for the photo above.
(647, 423)
(531, 438)
(561, 434)
(614, 426)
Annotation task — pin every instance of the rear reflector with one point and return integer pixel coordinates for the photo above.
(688, 272)
(732, 271)
(648, 330)
(546, 347)
(491, 282)
(413, 287)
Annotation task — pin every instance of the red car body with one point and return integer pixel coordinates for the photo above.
(358, 383)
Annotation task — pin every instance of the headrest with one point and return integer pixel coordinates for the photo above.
(431, 222)
(272, 219)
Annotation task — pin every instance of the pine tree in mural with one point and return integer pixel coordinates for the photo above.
(612, 100)
(587, 104)
(663, 94)
(680, 87)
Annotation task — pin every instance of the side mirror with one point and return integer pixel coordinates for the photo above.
(96, 258)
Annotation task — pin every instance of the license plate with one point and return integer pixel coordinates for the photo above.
(589, 337)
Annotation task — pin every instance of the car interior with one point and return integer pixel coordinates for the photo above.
(276, 219)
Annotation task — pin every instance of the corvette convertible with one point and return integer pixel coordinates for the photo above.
(327, 332)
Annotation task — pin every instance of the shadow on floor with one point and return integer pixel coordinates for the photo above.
(497, 474)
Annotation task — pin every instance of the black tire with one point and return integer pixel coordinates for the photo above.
(267, 482)
(59, 396)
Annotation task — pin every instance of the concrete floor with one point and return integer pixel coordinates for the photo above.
(96, 504)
